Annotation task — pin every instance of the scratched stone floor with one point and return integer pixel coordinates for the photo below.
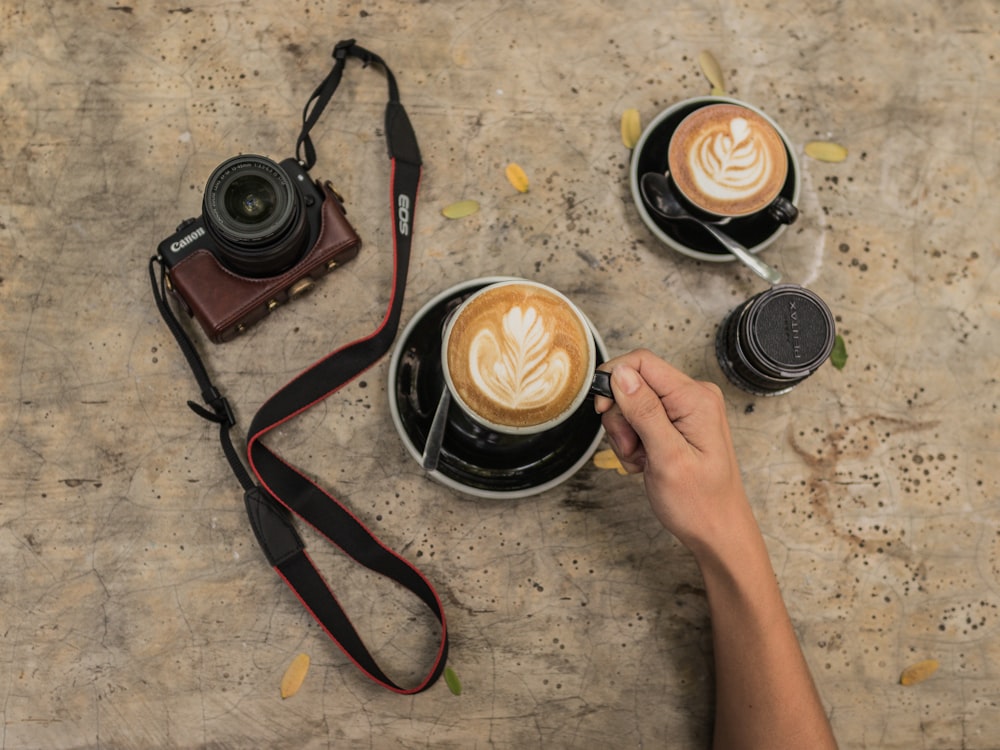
(136, 610)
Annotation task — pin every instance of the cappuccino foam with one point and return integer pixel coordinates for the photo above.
(518, 355)
(727, 160)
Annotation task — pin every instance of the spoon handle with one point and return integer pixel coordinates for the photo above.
(759, 267)
(432, 448)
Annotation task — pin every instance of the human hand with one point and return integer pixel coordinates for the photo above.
(673, 430)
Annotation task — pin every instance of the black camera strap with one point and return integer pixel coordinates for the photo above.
(281, 490)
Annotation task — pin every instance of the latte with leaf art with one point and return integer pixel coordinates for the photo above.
(727, 160)
(518, 355)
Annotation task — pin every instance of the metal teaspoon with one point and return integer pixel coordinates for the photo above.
(659, 196)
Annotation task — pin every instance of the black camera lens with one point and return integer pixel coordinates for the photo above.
(775, 340)
(255, 214)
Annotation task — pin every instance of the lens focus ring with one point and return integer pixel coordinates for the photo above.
(253, 211)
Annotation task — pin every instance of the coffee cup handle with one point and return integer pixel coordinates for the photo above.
(601, 385)
(783, 210)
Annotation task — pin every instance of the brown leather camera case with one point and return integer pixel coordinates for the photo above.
(225, 303)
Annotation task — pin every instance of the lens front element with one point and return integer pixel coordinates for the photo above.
(250, 199)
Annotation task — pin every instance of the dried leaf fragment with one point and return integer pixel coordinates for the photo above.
(452, 681)
(607, 459)
(294, 676)
(517, 177)
(918, 672)
(460, 209)
(713, 72)
(838, 356)
(631, 128)
(826, 151)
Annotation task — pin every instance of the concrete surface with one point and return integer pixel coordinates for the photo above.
(136, 610)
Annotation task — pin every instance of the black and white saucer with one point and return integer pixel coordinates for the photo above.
(475, 460)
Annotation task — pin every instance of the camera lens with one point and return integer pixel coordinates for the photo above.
(254, 212)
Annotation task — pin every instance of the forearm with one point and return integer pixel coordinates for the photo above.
(674, 430)
(765, 696)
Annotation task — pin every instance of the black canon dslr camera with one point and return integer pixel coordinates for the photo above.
(266, 233)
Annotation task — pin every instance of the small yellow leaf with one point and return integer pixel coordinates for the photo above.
(826, 151)
(631, 128)
(918, 672)
(294, 676)
(713, 72)
(460, 209)
(517, 177)
(607, 459)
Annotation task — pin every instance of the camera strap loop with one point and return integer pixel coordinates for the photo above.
(219, 410)
(281, 490)
(324, 92)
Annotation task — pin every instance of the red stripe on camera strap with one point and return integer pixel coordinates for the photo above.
(284, 488)
(281, 490)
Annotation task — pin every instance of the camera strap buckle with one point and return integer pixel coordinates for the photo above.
(340, 48)
(347, 48)
(221, 412)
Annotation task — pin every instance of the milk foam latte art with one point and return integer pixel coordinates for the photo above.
(518, 356)
(727, 160)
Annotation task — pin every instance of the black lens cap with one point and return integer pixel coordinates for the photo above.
(790, 331)
(776, 339)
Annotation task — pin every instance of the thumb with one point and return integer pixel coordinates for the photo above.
(642, 408)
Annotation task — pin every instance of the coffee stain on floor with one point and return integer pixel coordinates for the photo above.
(838, 445)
